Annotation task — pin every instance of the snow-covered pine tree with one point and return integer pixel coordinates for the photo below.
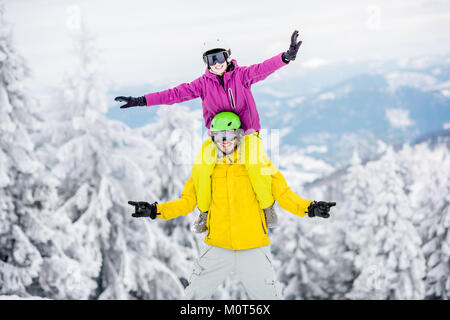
(381, 233)
(309, 254)
(176, 138)
(101, 164)
(430, 198)
(27, 192)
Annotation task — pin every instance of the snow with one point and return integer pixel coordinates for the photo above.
(316, 149)
(338, 93)
(445, 93)
(294, 102)
(272, 92)
(398, 118)
(16, 297)
(300, 168)
(327, 96)
(314, 63)
(417, 80)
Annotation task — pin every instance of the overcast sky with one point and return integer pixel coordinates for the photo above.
(158, 41)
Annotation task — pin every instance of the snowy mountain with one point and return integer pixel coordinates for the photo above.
(385, 106)
(328, 112)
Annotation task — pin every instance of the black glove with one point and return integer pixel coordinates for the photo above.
(320, 209)
(293, 48)
(131, 101)
(144, 209)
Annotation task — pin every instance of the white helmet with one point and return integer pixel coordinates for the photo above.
(215, 45)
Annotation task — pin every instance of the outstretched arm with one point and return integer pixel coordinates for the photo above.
(286, 198)
(260, 71)
(180, 207)
(295, 204)
(181, 93)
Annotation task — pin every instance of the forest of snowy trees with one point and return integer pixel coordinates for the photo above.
(67, 172)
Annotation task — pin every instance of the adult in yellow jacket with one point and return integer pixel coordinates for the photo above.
(235, 219)
(237, 239)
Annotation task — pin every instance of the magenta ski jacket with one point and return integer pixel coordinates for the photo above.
(233, 94)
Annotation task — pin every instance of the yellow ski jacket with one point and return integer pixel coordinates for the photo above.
(235, 219)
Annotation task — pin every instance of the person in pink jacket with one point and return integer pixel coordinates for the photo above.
(226, 86)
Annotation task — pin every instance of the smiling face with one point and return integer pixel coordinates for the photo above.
(219, 68)
(226, 146)
(226, 141)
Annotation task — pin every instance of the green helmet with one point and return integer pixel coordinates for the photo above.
(225, 121)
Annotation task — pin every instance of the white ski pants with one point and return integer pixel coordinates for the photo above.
(252, 266)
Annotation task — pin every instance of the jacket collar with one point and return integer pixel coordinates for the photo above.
(230, 158)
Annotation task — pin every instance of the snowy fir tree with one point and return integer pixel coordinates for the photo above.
(418, 175)
(176, 139)
(309, 255)
(25, 187)
(430, 197)
(381, 233)
(100, 165)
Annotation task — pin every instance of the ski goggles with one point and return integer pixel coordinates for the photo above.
(218, 57)
(219, 136)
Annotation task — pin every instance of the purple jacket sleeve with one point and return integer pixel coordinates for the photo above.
(180, 93)
(260, 71)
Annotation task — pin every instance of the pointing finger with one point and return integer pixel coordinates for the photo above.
(120, 98)
(331, 204)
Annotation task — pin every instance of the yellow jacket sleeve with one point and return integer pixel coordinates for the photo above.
(286, 198)
(180, 207)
